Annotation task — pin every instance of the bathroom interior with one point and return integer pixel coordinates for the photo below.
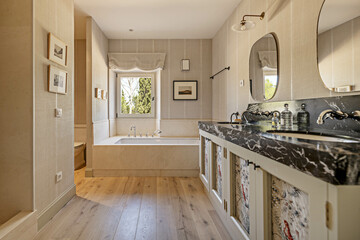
(231, 119)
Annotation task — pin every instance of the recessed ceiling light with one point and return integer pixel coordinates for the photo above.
(131, 30)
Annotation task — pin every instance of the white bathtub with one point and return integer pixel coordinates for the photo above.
(157, 141)
(146, 156)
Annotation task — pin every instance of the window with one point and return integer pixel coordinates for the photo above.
(136, 95)
(270, 83)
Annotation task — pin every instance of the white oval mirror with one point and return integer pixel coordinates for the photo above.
(263, 68)
(339, 45)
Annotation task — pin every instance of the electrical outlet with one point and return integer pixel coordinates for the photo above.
(241, 83)
(58, 176)
(58, 112)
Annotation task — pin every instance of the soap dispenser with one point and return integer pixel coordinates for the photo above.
(303, 117)
(286, 117)
(275, 119)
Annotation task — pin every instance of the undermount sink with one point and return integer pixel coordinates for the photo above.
(228, 122)
(317, 137)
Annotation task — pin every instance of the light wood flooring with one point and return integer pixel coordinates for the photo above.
(136, 208)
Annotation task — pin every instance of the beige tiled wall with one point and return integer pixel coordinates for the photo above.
(80, 82)
(295, 25)
(97, 74)
(16, 117)
(198, 51)
(54, 149)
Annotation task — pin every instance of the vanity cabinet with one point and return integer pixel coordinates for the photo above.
(259, 198)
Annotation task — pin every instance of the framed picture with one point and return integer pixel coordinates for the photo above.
(185, 65)
(98, 93)
(103, 94)
(57, 50)
(185, 90)
(57, 80)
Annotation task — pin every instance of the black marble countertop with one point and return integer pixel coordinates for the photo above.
(337, 163)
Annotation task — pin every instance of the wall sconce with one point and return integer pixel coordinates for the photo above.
(246, 24)
(185, 65)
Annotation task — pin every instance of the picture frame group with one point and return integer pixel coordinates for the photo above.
(101, 94)
(57, 80)
(57, 50)
(57, 53)
(185, 90)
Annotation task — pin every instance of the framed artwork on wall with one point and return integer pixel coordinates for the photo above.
(185, 90)
(57, 50)
(98, 92)
(103, 94)
(57, 80)
(185, 65)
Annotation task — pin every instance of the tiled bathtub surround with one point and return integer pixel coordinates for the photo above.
(289, 211)
(241, 172)
(334, 162)
(217, 165)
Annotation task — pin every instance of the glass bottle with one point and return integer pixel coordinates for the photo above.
(303, 117)
(286, 117)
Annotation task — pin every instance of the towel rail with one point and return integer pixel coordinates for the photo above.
(227, 68)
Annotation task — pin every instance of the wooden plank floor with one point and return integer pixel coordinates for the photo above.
(136, 208)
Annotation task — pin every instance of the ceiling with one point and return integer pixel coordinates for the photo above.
(158, 19)
(336, 12)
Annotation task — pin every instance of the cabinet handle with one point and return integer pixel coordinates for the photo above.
(248, 162)
(256, 166)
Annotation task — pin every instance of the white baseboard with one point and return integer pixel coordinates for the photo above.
(145, 172)
(88, 172)
(22, 226)
(48, 213)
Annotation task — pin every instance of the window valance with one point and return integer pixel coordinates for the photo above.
(268, 59)
(142, 61)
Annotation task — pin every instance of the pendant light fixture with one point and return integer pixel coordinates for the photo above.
(245, 25)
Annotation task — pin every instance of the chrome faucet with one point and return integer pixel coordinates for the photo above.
(339, 115)
(158, 131)
(243, 116)
(236, 114)
(258, 113)
(355, 115)
(133, 127)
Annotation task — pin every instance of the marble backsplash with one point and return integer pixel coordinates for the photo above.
(315, 106)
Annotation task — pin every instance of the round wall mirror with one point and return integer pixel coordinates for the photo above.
(339, 45)
(263, 68)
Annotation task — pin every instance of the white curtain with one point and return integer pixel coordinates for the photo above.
(268, 59)
(141, 61)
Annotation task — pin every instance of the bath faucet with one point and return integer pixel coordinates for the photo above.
(236, 116)
(243, 117)
(258, 113)
(355, 115)
(158, 131)
(133, 127)
(329, 113)
(339, 115)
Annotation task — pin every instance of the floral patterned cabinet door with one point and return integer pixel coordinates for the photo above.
(217, 170)
(289, 211)
(242, 184)
(206, 159)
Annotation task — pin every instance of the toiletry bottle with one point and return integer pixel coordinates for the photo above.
(275, 120)
(286, 118)
(303, 117)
